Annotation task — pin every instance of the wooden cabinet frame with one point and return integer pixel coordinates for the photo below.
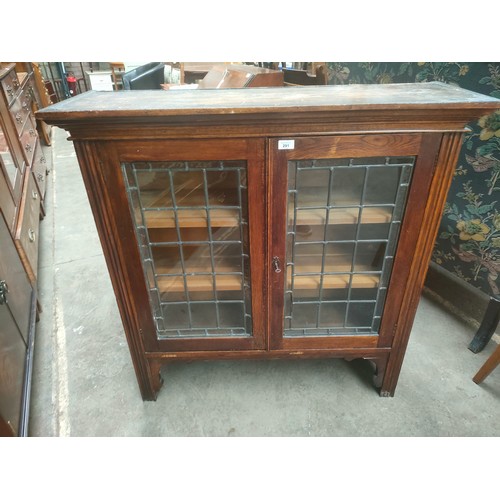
(422, 121)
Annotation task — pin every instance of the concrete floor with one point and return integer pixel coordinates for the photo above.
(84, 383)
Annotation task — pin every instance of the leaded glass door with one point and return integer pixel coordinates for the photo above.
(338, 208)
(198, 219)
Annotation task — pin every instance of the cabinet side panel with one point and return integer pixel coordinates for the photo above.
(104, 185)
(443, 174)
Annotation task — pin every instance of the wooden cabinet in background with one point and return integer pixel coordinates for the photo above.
(23, 171)
(269, 223)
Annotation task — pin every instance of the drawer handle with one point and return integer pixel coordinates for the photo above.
(34, 193)
(25, 105)
(276, 264)
(31, 235)
(19, 118)
(10, 91)
(28, 147)
(4, 290)
(15, 81)
(40, 177)
(32, 132)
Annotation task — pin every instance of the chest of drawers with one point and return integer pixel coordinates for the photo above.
(22, 191)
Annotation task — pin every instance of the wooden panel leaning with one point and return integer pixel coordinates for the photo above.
(287, 222)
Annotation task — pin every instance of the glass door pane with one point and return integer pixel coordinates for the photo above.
(343, 221)
(192, 226)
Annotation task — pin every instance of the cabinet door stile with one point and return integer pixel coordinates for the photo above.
(257, 203)
(277, 242)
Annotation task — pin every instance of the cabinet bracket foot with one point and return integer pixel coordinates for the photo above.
(379, 365)
(155, 381)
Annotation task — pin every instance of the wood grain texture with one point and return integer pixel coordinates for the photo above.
(285, 111)
(338, 352)
(432, 96)
(28, 227)
(355, 146)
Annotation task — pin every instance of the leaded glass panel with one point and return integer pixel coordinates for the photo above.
(344, 217)
(191, 219)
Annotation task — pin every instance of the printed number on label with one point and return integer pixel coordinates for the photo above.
(286, 144)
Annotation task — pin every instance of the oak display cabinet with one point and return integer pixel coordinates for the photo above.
(269, 223)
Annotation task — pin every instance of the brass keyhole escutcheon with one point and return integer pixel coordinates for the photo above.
(276, 264)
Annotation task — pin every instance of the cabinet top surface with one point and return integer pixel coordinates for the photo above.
(160, 103)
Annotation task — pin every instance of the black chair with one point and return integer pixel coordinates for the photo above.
(146, 77)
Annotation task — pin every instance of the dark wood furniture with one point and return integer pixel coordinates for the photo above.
(303, 77)
(233, 76)
(41, 96)
(269, 223)
(193, 72)
(240, 75)
(23, 171)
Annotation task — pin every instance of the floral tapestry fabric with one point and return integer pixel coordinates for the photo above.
(468, 243)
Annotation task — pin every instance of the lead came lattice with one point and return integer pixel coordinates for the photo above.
(344, 217)
(192, 229)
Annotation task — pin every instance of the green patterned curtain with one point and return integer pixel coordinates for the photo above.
(468, 243)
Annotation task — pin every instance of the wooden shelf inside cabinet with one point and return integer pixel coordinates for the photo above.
(157, 215)
(348, 215)
(366, 167)
(200, 283)
(230, 218)
(158, 219)
(335, 281)
(166, 218)
(204, 283)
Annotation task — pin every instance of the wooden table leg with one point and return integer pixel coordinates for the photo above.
(491, 363)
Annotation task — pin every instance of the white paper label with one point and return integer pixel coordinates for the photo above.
(286, 144)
